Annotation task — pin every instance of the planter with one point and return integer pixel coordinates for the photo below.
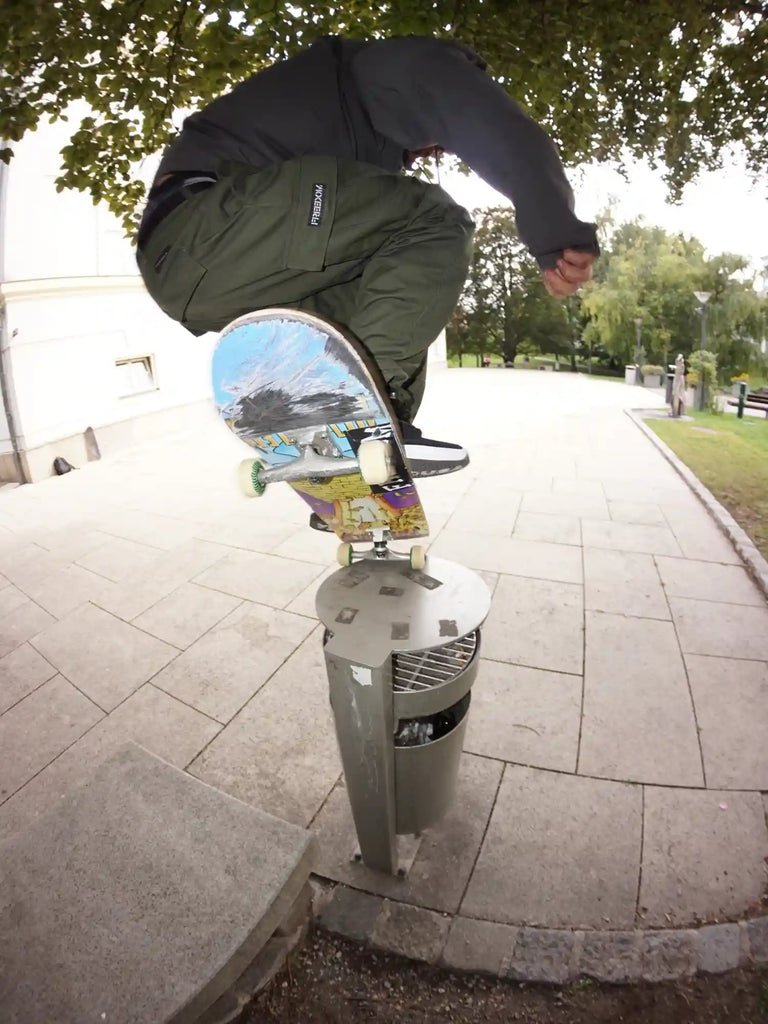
(652, 380)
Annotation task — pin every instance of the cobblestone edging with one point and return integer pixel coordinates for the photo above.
(551, 955)
(754, 561)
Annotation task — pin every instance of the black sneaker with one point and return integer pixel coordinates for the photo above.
(431, 458)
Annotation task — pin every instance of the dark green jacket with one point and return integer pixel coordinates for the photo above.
(373, 102)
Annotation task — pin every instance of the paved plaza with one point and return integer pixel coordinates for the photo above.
(615, 773)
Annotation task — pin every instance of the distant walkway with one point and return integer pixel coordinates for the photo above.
(615, 754)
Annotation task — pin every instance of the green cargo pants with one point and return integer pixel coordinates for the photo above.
(383, 254)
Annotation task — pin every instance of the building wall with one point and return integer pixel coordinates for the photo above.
(75, 311)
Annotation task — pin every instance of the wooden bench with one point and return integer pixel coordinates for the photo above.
(754, 400)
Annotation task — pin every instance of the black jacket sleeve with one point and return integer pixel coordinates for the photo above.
(421, 91)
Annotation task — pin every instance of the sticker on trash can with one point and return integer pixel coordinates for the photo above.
(401, 630)
(361, 675)
(347, 615)
(423, 580)
(448, 627)
(352, 579)
(391, 591)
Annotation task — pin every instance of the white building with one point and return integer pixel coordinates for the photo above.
(85, 355)
(81, 343)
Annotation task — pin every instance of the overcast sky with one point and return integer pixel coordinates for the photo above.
(723, 209)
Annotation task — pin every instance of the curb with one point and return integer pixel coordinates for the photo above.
(754, 561)
(551, 956)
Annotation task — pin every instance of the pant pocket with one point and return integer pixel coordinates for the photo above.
(172, 277)
(314, 207)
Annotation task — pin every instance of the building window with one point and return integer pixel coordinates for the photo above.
(135, 376)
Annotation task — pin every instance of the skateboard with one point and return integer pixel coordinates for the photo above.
(312, 405)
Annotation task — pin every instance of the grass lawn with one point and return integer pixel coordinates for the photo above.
(730, 457)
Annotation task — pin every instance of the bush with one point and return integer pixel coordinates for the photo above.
(650, 370)
(704, 364)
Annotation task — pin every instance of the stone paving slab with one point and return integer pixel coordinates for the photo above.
(537, 623)
(699, 536)
(256, 577)
(497, 516)
(707, 581)
(118, 558)
(592, 506)
(636, 512)
(511, 555)
(186, 614)
(21, 672)
(36, 730)
(703, 855)
(525, 716)
(559, 850)
(639, 537)
(447, 853)
(722, 630)
(219, 673)
(149, 853)
(144, 587)
(11, 598)
(102, 655)
(607, 587)
(21, 623)
(638, 719)
(154, 720)
(553, 529)
(733, 732)
(245, 530)
(279, 753)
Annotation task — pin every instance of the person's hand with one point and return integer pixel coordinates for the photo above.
(573, 269)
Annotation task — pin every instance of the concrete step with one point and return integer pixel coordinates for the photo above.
(142, 899)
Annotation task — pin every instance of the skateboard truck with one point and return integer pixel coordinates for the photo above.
(346, 554)
(373, 463)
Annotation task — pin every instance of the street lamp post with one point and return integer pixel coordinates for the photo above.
(763, 296)
(638, 327)
(702, 298)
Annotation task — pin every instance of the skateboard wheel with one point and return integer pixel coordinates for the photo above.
(375, 460)
(248, 478)
(344, 554)
(418, 557)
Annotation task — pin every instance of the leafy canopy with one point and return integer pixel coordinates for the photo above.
(651, 275)
(675, 81)
(504, 306)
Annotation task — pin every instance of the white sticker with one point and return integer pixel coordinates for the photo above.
(362, 675)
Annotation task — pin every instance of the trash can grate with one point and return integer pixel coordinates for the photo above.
(421, 670)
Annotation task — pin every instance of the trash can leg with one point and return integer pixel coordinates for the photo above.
(361, 698)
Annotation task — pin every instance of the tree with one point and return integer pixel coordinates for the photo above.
(504, 302)
(676, 81)
(647, 274)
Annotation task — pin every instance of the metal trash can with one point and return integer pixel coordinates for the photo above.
(631, 374)
(402, 650)
(670, 382)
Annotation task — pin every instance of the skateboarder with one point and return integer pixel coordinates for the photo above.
(288, 191)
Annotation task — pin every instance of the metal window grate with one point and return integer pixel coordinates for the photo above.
(421, 670)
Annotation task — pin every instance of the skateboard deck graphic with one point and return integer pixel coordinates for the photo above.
(291, 385)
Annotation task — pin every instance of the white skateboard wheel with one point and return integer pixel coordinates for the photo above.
(418, 557)
(344, 554)
(248, 478)
(375, 460)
